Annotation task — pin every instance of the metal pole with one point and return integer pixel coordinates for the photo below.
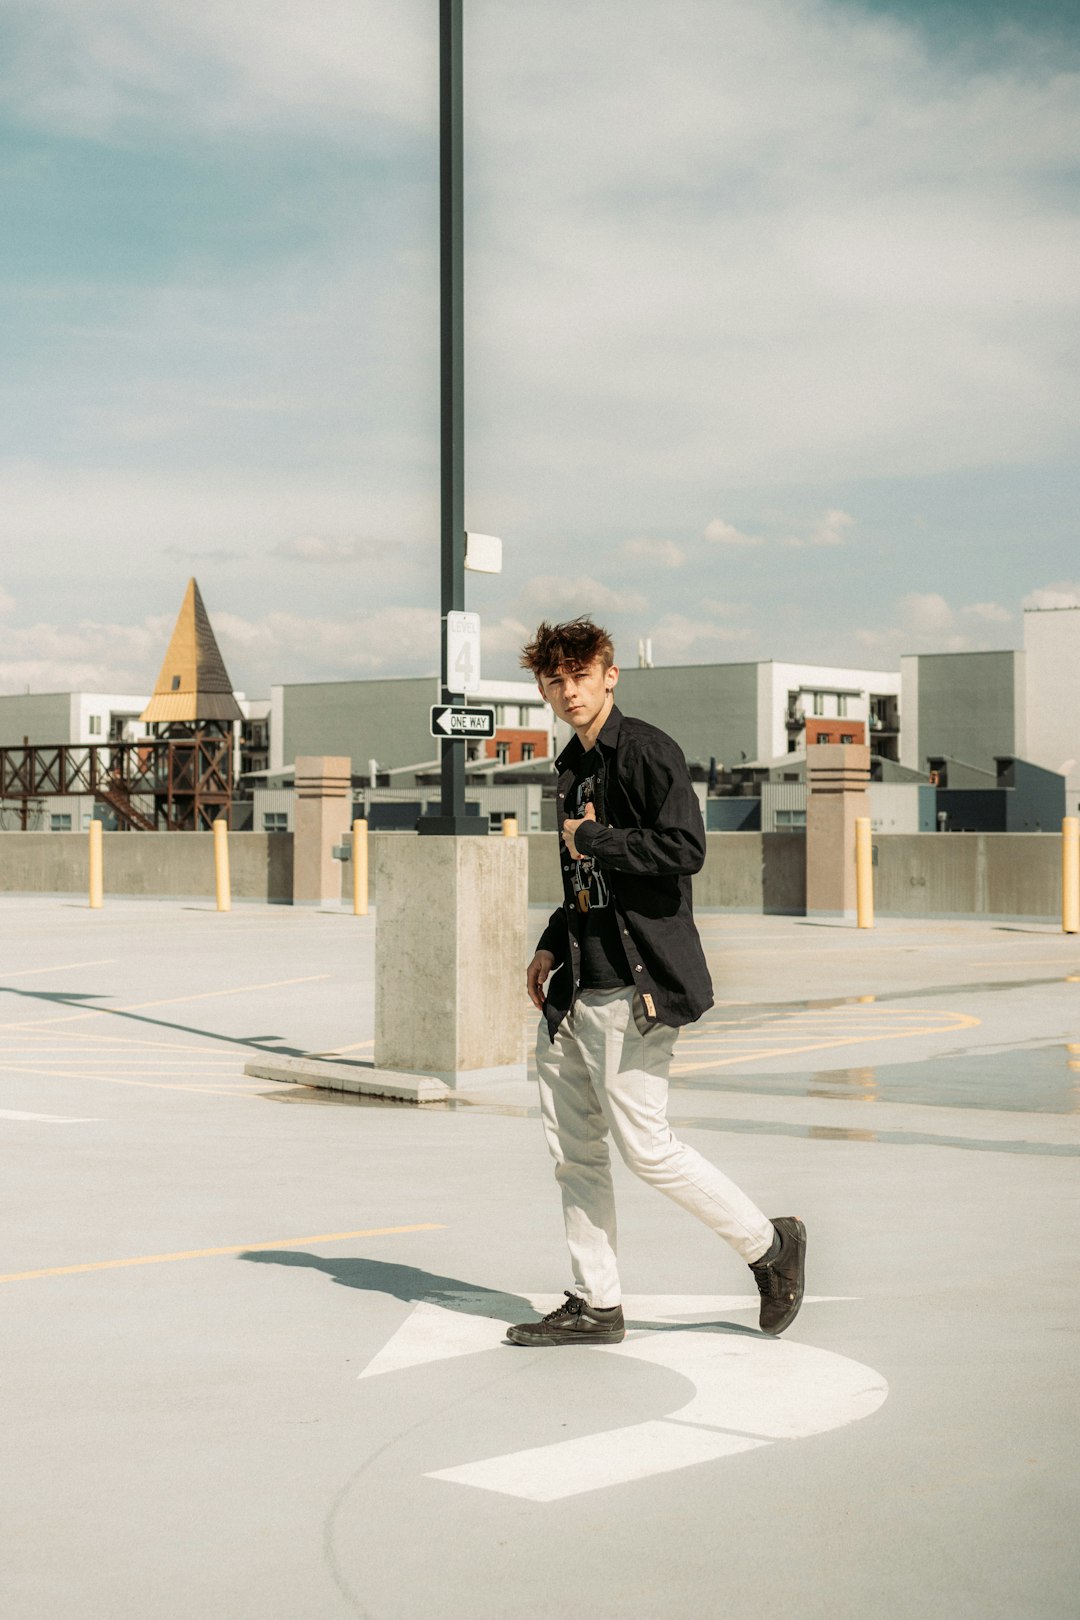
(222, 886)
(1070, 875)
(452, 310)
(864, 873)
(97, 883)
(452, 819)
(360, 868)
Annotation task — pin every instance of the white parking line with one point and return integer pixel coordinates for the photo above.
(48, 1119)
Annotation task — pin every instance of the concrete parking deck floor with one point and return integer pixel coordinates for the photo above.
(252, 1349)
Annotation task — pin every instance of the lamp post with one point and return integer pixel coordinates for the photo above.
(452, 820)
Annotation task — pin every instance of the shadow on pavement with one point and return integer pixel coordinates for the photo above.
(79, 1001)
(406, 1283)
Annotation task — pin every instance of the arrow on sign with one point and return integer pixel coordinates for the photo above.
(452, 720)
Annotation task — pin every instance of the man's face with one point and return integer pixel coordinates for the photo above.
(579, 695)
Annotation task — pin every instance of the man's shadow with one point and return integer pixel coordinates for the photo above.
(407, 1283)
(413, 1286)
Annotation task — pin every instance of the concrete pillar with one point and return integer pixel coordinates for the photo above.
(321, 818)
(838, 776)
(450, 957)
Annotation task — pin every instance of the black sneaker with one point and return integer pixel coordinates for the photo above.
(572, 1323)
(779, 1275)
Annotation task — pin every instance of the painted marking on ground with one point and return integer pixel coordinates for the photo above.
(110, 1079)
(230, 1248)
(750, 1392)
(780, 1036)
(47, 1119)
(61, 967)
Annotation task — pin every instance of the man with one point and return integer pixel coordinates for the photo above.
(624, 970)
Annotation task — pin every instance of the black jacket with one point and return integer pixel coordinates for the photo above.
(649, 840)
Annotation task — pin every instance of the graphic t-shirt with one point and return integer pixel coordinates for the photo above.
(603, 960)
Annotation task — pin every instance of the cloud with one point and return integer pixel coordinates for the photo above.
(832, 529)
(679, 639)
(254, 65)
(7, 603)
(311, 548)
(664, 553)
(550, 594)
(1061, 595)
(925, 613)
(279, 646)
(726, 534)
(925, 622)
(217, 554)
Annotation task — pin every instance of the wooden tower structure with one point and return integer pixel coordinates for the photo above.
(193, 709)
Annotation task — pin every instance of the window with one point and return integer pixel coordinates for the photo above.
(95, 725)
(60, 823)
(847, 737)
(841, 705)
(275, 821)
(821, 736)
(176, 683)
(790, 820)
(528, 750)
(819, 703)
(502, 753)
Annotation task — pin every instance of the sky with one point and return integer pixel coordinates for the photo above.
(772, 320)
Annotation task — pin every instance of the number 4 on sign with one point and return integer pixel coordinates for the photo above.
(462, 652)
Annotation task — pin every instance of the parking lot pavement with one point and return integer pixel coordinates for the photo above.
(253, 1334)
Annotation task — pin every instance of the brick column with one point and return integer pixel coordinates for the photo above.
(837, 777)
(322, 817)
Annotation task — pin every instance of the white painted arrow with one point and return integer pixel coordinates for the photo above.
(750, 1392)
(445, 721)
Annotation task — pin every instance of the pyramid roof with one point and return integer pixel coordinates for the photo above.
(194, 684)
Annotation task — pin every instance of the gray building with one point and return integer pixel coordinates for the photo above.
(710, 709)
(389, 721)
(1016, 797)
(738, 712)
(964, 706)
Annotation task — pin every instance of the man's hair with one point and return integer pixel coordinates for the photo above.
(572, 646)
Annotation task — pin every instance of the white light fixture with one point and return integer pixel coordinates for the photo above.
(483, 553)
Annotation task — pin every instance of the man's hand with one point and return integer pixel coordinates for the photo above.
(569, 828)
(538, 971)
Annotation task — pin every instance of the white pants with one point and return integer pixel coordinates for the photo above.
(606, 1071)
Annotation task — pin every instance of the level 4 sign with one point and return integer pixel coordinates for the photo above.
(462, 672)
(455, 720)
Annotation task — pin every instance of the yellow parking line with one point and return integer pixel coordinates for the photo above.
(339, 1052)
(62, 967)
(818, 1046)
(231, 1248)
(105, 1079)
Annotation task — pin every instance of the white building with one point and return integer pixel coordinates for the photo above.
(1052, 694)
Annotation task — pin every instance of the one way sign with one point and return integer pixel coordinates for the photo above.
(455, 720)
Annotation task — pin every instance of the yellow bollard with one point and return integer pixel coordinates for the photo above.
(221, 864)
(1070, 875)
(864, 873)
(359, 868)
(97, 868)
(509, 827)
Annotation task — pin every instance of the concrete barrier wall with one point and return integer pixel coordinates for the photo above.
(743, 872)
(915, 875)
(147, 863)
(968, 875)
